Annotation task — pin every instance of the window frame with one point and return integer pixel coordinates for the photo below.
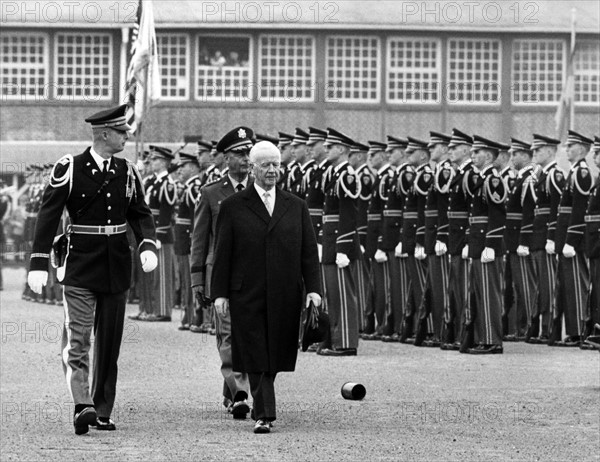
(187, 64)
(379, 60)
(585, 103)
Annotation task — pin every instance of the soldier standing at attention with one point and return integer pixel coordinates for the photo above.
(296, 171)
(592, 248)
(101, 193)
(573, 270)
(521, 265)
(341, 248)
(487, 219)
(189, 171)
(162, 204)
(287, 158)
(547, 191)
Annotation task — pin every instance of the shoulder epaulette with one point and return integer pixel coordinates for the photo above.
(495, 188)
(62, 173)
(444, 175)
(582, 179)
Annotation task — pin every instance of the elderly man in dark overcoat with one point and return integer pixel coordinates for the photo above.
(266, 258)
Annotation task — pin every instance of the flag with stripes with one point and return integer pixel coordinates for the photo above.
(564, 111)
(143, 73)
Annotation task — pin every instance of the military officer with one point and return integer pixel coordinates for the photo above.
(521, 265)
(413, 231)
(101, 193)
(547, 190)
(236, 146)
(397, 189)
(341, 248)
(296, 168)
(436, 225)
(592, 248)
(287, 158)
(459, 322)
(573, 270)
(487, 220)
(162, 200)
(213, 172)
(313, 177)
(189, 171)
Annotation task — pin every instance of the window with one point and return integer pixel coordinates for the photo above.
(586, 67)
(474, 71)
(287, 68)
(223, 69)
(24, 67)
(413, 70)
(537, 70)
(173, 60)
(84, 66)
(352, 69)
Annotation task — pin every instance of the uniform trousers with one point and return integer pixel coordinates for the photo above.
(145, 285)
(380, 277)
(164, 281)
(53, 289)
(593, 315)
(185, 284)
(487, 288)
(525, 289)
(437, 282)
(262, 387)
(399, 289)
(104, 313)
(233, 382)
(417, 273)
(459, 313)
(545, 276)
(573, 286)
(342, 305)
(363, 290)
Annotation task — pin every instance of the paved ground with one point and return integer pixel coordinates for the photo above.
(532, 403)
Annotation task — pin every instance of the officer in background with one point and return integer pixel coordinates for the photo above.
(235, 146)
(549, 182)
(287, 158)
(573, 270)
(296, 168)
(487, 220)
(189, 172)
(592, 249)
(102, 193)
(341, 248)
(162, 201)
(35, 190)
(518, 257)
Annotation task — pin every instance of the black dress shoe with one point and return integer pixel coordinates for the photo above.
(510, 338)
(450, 346)
(367, 336)
(184, 327)
(337, 352)
(262, 426)
(104, 424)
(83, 419)
(486, 350)
(240, 409)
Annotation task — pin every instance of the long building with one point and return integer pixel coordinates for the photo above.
(367, 68)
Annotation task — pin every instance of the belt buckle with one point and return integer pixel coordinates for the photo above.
(109, 230)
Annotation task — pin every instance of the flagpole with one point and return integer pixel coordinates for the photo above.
(572, 63)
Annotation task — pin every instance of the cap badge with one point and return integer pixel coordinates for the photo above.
(242, 133)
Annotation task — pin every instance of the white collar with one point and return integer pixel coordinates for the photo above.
(161, 175)
(234, 183)
(191, 180)
(99, 159)
(261, 193)
(383, 169)
(549, 166)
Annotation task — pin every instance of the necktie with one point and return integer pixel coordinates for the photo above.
(239, 187)
(105, 167)
(267, 201)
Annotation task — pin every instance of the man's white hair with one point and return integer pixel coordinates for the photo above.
(263, 148)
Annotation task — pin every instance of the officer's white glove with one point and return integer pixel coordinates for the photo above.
(37, 280)
(398, 250)
(362, 249)
(523, 251)
(550, 250)
(465, 252)
(420, 252)
(320, 252)
(313, 297)
(488, 255)
(149, 261)
(380, 256)
(221, 306)
(342, 260)
(158, 244)
(440, 248)
(569, 251)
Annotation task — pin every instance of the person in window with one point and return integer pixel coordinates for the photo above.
(218, 59)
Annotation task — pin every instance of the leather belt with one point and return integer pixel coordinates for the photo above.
(98, 230)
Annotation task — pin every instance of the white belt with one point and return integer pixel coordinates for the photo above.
(105, 230)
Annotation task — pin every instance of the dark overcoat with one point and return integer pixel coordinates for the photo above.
(263, 265)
